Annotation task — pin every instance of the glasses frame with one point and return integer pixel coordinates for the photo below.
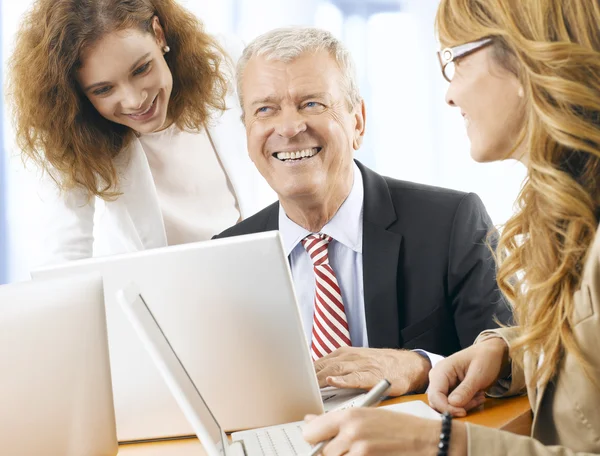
(451, 54)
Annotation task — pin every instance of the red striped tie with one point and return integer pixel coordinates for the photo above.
(330, 326)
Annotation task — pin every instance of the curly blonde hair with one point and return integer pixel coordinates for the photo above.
(57, 126)
(554, 49)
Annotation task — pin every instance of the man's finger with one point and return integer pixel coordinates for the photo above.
(325, 361)
(355, 379)
(336, 369)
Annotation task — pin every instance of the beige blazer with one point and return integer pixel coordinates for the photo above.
(567, 410)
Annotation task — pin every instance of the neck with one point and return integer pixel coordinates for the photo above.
(313, 212)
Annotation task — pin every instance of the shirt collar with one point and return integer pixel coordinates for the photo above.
(345, 227)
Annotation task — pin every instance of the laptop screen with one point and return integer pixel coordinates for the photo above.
(182, 384)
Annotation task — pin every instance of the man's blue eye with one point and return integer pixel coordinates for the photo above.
(263, 109)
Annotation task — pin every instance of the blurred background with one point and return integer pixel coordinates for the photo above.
(411, 133)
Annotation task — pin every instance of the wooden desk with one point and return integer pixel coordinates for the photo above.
(512, 415)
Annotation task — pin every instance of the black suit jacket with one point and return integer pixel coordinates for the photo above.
(429, 277)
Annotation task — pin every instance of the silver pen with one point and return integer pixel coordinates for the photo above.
(372, 398)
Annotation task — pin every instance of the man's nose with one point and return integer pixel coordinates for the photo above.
(290, 123)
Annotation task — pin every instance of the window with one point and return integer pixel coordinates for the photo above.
(411, 133)
(3, 221)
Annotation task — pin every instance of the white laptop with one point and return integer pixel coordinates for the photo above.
(276, 440)
(285, 439)
(55, 386)
(229, 310)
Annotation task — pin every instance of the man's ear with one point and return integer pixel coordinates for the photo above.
(159, 33)
(360, 116)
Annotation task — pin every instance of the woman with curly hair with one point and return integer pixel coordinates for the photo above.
(128, 105)
(526, 77)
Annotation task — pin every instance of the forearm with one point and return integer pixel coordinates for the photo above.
(493, 442)
(458, 439)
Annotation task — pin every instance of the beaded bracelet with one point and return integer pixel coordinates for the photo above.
(444, 444)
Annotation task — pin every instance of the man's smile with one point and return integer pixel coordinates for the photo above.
(301, 154)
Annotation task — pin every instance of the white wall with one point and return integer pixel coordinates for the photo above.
(22, 204)
(411, 133)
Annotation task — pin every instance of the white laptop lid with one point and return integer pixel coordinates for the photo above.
(55, 386)
(209, 432)
(228, 309)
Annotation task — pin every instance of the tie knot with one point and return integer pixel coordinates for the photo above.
(316, 246)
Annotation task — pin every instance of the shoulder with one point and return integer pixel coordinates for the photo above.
(591, 271)
(426, 211)
(427, 198)
(254, 224)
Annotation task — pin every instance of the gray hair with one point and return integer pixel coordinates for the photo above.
(287, 44)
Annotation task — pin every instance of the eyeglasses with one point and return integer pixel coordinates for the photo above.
(448, 56)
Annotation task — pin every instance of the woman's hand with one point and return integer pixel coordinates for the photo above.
(457, 383)
(371, 431)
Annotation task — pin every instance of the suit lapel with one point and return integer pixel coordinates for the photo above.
(381, 250)
(272, 220)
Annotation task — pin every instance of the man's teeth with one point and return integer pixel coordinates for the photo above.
(297, 154)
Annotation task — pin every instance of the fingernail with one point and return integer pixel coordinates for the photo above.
(309, 417)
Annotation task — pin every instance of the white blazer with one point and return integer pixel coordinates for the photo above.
(75, 228)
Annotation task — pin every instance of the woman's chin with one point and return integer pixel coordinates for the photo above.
(484, 155)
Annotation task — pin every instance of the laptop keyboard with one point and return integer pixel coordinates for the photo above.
(281, 441)
(284, 440)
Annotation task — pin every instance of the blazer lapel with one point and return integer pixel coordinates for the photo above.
(536, 394)
(228, 137)
(141, 199)
(381, 250)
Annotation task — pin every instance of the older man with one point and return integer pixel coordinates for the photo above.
(387, 273)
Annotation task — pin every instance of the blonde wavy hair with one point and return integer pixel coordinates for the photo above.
(57, 126)
(553, 47)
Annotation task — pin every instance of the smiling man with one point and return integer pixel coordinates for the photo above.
(389, 274)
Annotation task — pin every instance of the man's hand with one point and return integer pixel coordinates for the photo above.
(353, 367)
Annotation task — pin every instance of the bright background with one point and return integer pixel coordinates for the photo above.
(411, 133)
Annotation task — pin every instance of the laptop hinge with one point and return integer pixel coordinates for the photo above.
(237, 448)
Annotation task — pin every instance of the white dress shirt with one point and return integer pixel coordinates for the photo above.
(345, 257)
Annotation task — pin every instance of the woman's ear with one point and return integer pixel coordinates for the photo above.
(159, 33)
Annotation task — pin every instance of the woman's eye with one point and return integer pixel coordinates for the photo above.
(142, 69)
(102, 91)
